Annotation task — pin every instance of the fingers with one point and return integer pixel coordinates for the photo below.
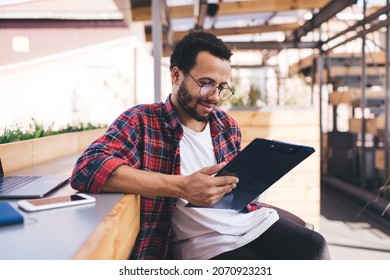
(219, 190)
(218, 195)
(211, 195)
(225, 188)
(222, 181)
(206, 190)
(213, 169)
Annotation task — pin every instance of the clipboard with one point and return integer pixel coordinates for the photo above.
(258, 166)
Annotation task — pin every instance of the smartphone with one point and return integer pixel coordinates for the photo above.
(38, 204)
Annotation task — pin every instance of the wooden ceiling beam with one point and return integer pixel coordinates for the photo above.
(244, 30)
(234, 8)
(235, 31)
(248, 7)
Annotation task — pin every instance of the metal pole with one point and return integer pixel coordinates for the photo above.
(312, 79)
(320, 67)
(386, 131)
(363, 105)
(157, 47)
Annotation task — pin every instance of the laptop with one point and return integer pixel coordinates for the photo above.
(26, 186)
(262, 163)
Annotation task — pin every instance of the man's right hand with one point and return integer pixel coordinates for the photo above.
(200, 188)
(204, 189)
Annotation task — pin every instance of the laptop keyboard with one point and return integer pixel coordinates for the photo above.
(11, 183)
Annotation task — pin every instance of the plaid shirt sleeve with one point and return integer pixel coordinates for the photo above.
(101, 159)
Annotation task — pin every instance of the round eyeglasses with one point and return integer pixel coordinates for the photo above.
(208, 89)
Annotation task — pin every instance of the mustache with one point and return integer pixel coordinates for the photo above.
(207, 101)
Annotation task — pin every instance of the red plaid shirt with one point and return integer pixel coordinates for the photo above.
(147, 137)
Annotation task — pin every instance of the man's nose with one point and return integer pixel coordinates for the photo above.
(215, 95)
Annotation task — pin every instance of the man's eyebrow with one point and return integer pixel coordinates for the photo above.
(207, 78)
(210, 80)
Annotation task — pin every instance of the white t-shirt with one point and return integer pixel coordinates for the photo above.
(203, 233)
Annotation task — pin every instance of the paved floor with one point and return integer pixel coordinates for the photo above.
(351, 236)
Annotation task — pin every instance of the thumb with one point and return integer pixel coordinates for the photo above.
(210, 170)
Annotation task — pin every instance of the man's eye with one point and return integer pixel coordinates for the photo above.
(207, 85)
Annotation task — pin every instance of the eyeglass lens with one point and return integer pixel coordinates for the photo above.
(208, 89)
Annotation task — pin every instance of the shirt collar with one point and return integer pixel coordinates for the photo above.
(172, 120)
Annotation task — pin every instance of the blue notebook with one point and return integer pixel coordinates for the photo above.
(8, 215)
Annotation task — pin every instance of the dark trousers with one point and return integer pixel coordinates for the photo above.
(284, 240)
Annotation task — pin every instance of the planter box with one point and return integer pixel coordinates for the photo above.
(30, 152)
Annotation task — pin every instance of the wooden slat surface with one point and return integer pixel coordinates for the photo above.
(353, 95)
(278, 117)
(240, 30)
(234, 8)
(373, 126)
(114, 237)
(377, 58)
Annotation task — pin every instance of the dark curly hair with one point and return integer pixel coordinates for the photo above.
(185, 52)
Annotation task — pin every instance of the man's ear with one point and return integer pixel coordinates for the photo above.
(175, 75)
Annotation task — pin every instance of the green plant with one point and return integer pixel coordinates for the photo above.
(236, 100)
(249, 98)
(253, 95)
(37, 130)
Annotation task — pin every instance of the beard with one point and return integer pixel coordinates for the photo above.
(184, 98)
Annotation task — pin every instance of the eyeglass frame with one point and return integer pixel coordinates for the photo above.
(200, 85)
